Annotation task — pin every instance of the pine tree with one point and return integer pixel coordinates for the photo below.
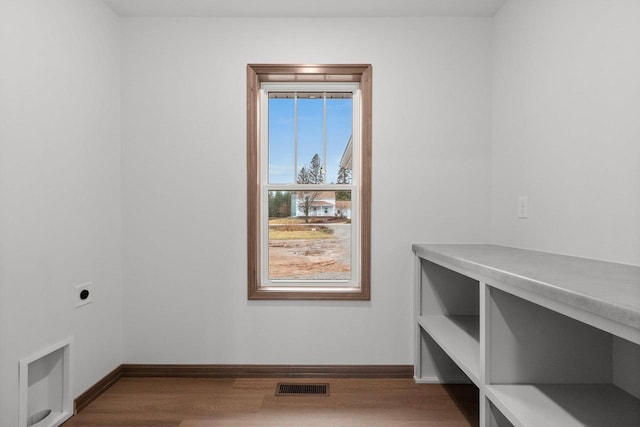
(279, 204)
(309, 174)
(344, 177)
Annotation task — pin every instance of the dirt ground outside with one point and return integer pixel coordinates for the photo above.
(326, 258)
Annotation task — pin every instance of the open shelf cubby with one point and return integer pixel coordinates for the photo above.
(549, 369)
(448, 316)
(549, 340)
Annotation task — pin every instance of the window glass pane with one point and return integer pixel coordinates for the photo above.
(310, 137)
(309, 235)
(339, 131)
(281, 140)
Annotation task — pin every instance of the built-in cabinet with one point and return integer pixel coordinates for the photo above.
(549, 340)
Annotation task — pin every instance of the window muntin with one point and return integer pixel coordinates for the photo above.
(321, 251)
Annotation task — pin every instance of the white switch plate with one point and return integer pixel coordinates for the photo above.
(523, 207)
(84, 287)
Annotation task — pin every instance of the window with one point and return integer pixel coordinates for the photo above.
(309, 181)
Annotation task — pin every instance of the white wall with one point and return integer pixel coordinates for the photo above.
(183, 90)
(566, 128)
(59, 187)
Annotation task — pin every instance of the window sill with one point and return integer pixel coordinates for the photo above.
(306, 293)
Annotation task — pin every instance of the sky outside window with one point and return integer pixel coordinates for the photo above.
(281, 140)
(310, 133)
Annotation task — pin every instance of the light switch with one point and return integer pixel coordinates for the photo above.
(523, 207)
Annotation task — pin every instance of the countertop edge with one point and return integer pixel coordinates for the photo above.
(620, 314)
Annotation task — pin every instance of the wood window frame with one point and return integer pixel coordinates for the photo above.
(286, 73)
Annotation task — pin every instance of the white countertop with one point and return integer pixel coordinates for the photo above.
(603, 288)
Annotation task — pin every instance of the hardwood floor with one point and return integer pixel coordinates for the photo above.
(199, 402)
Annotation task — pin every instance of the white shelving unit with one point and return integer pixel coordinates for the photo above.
(549, 340)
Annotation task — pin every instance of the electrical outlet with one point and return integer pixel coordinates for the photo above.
(523, 207)
(84, 294)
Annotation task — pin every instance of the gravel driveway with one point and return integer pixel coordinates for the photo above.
(328, 259)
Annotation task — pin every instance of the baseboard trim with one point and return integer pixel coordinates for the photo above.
(269, 371)
(93, 392)
(239, 371)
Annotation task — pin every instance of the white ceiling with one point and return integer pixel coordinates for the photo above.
(306, 8)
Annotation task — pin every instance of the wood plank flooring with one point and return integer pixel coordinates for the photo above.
(200, 402)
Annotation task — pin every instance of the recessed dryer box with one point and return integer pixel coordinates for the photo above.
(45, 387)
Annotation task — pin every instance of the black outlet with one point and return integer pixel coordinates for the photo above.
(84, 294)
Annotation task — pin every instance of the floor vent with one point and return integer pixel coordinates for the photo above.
(297, 389)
